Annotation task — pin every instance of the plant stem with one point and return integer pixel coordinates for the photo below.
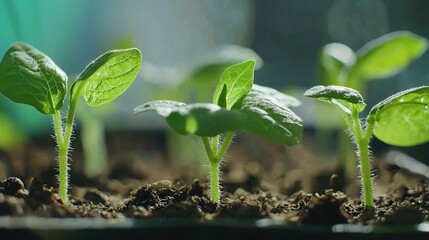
(225, 144)
(62, 157)
(69, 124)
(209, 150)
(215, 143)
(58, 126)
(362, 141)
(63, 141)
(214, 182)
(215, 156)
(365, 170)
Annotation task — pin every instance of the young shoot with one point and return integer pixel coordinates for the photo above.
(238, 105)
(30, 77)
(400, 120)
(380, 58)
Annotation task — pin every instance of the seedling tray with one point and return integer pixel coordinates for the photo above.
(52, 228)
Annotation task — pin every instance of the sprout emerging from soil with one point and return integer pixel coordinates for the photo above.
(380, 58)
(30, 77)
(238, 105)
(400, 120)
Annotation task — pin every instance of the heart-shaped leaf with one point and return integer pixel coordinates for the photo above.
(348, 99)
(252, 114)
(402, 119)
(29, 76)
(107, 77)
(387, 55)
(235, 83)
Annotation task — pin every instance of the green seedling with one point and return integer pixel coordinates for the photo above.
(380, 58)
(400, 120)
(238, 105)
(195, 81)
(30, 77)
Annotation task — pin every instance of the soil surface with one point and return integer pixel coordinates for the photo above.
(253, 188)
(164, 199)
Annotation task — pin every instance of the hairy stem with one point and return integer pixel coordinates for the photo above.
(62, 157)
(63, 141)
(215, 155)
(58, 126)
(225, 144)
(215, 143)
(209, 150)
(69, 124)
(214, 182)
(365, 171)
(362, 141)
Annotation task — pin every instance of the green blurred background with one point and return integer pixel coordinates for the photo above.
(175, 35)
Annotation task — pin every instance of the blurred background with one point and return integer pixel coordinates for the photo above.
(178, 37)
(174, 36)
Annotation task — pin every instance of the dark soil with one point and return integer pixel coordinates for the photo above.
(164, 199)
(251, 190)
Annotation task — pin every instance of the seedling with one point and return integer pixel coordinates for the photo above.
(380, 58)
(400, 120)
(195, 81)
(238, 105)
(30, 77)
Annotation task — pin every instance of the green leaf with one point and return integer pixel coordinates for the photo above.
(234, 84)
(273, 95)
(402, 119)
(270, 120)
(30, 77)
(201, 83)
(204, 72)
(387, 55)
(251, 114)
(108, 76)
(348, 99)
(333, 58)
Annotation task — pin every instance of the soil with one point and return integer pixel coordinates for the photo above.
(273, 182)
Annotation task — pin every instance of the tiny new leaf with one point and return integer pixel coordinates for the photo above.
(30, 77)
(348, 99)
(207, 71)
(403, 118)
(108, 76)
(235, 83)
(387, 55)
(252, 114)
